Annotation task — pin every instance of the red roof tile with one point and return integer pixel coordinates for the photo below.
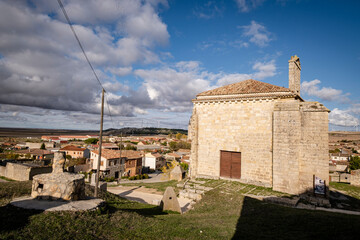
(245, 87)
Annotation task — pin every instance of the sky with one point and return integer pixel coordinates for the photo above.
(154, 56)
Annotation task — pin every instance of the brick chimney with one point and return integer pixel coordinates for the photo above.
(294, 74)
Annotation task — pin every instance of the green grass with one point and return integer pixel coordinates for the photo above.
(10, 190)
(223, 213)
(7, 179)
(159, 186)
(350, 190)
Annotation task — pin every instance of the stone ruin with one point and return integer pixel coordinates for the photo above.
(58, 185)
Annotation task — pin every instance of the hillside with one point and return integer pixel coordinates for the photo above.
(37, 132)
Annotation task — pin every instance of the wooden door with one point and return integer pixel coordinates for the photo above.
(230, 164)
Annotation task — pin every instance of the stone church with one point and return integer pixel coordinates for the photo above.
(259, 133)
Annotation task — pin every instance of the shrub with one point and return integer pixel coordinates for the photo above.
(185, 166)
(145, 176)
(107, 179)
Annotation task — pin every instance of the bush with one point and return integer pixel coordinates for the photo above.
(139, 177)
(107, 179)
(185, 166)
(354, 163)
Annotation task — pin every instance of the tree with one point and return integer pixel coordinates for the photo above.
(178, 136)
(43, 146)
(130, 147)
(91, 140)
(173, 146)
(354, 162)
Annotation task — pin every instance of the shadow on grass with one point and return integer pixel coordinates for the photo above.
(13, 218)
(115, 203)
(260, 220)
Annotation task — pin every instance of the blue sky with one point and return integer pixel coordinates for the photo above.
(154, 56)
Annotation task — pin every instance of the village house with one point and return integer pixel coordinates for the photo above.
(32, 145)
(133, 162)
(260, 133)
(172, 157)
(110, 164)
(339, 157)
(154, 161)
(38, 154)
(76, 152)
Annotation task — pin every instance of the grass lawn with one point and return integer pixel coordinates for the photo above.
(160, 186)
(223, 213)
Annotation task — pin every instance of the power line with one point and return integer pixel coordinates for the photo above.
(78, 40)
(83, 51)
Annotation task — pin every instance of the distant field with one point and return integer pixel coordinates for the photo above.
(37, 132)
(29, 132)
(338, 136)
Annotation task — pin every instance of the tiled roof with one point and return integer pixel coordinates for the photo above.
(173, 155)
(34, 151)
(111, 154)
(245, 87)
(157, 155)
(131, 154)
(72, 148)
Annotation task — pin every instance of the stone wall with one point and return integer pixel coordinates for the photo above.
(355, 177)
(17, 171)
(314, 157)
(2, 170)
(22, 172)
(240, 126)
(300, 146)
(286, 149)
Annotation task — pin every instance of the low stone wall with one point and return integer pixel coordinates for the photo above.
(22, 172)
(82, 168)
(355, 177)
(2, 171)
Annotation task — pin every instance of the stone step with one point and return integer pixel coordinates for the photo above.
(197, 181)
(180, 185)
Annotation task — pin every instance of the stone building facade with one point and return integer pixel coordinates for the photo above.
(260, 133)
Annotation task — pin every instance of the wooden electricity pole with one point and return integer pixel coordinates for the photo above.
(100, 143)
(121, 165)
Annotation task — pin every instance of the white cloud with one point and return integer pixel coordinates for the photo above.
(247, 5)
(42, 65)
(262, 70)
(325, 93)
(172, 88)
(257, 34)
(342, 118)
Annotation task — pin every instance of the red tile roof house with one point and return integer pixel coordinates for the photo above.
(133, 164)
(75, 151)
(35, 153)
(110, 165)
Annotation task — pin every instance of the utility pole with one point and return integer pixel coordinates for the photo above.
(100, 144)
(121, 165)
